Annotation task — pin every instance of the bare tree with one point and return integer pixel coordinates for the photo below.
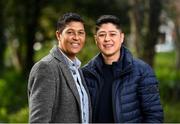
(144, 18)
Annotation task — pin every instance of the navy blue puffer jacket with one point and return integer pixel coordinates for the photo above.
(135, 95)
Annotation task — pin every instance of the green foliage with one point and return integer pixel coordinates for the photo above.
(168, 76)
(3, 115)
(169, 79)
(46, 47)
(13, 92)
(19, 117)
(171, 112)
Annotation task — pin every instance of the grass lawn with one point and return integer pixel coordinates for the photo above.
(169, 79)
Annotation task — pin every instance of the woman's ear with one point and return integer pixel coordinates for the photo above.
(95, 38)
(58, 35)
(122, 37)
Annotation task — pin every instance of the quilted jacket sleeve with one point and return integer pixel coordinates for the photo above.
(150, 98)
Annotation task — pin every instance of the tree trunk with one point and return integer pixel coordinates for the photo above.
(136, 18)
(2, 37)
(176, 9)
(152, 33)
(144, 18)
(32, 25)
(177, 43)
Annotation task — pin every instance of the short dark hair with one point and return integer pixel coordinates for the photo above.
(108, 19)
(67, 18)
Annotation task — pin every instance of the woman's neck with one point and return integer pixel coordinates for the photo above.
(110, 59)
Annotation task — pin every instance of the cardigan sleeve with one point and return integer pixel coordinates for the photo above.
(41, 93)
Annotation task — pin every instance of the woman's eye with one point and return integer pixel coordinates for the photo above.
(81, 33)
(102, 35)
(113, 34)
(70, 32)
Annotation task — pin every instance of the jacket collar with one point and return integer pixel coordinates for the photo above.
(58, 54)
(124, 65)
(55, 52)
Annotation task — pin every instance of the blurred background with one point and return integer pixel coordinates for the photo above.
(27, 33)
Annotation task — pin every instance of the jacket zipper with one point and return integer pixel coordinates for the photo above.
(114, 92)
